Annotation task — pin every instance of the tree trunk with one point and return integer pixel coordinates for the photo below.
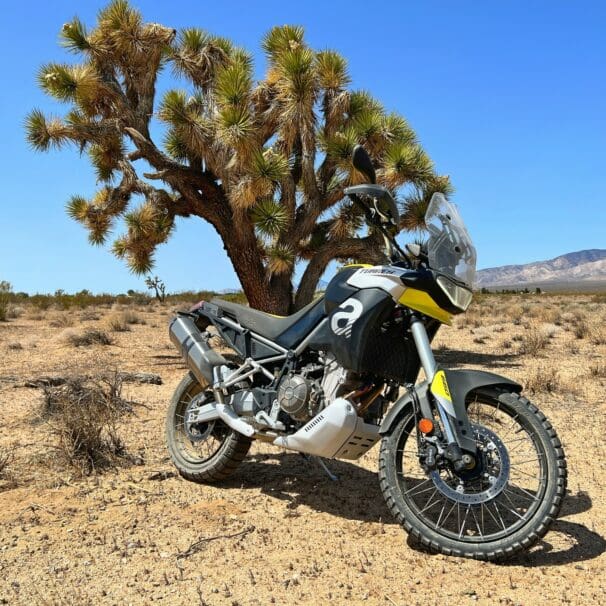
(269, 294)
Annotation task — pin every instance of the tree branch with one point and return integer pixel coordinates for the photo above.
(363, 249)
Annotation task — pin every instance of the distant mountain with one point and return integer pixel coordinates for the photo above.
(576, 270)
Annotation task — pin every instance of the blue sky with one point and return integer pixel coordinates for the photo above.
(509, 98)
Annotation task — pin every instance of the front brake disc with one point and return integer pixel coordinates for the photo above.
(492, 448)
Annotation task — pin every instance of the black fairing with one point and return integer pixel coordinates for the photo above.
(338, 290)
(379, 343)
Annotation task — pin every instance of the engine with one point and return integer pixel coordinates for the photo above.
(299, 396)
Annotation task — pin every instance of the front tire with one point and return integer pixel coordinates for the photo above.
(213, 452)
(495, 513)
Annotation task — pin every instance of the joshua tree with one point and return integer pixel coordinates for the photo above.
(157, 286)
(264, 162)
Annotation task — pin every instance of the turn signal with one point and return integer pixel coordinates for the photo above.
(425, 425)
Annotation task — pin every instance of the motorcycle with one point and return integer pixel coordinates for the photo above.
(467, 464)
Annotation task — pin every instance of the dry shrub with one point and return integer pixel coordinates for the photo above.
(87, 338)
(533, 341)
(63, 320)
(6, 458)
(598, 370)
(598, 337)
(121, 321)
(15, 346)
(89, 315)
(544, 380)
(117, 323)
(83, 414)
(581, 329)
(14, 311)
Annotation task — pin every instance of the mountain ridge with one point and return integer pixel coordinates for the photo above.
(575, 268)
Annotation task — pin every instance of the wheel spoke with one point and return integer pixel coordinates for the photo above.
(464, 521)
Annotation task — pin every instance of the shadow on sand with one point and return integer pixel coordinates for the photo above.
(457, 357)
(356, 496)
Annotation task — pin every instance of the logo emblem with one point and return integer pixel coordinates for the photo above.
(342, 321)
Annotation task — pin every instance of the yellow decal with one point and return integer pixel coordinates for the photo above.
(421, 301)
(439, 386)
(357, 265)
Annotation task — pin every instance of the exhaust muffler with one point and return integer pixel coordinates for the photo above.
(199, 356)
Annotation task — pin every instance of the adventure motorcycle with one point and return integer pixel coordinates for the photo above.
(467, 464)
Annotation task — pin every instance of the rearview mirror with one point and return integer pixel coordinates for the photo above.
(362, 163)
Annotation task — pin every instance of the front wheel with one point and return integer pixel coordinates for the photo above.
(501, 506)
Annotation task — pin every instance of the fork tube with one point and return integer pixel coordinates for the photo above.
(419, 334)
(428, 361)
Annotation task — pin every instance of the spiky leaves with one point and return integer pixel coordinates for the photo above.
(42, 133)
(280, 259)
(415, 205)
(147, 227)
(270, 218)
(264, 171)
(94, 215)
(332, 70)
(190, 131)
(74, 36)
(406, 164)
(282, 38)
(106, 157)
(197, 56)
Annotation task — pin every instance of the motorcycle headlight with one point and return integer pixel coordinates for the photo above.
(460, 297)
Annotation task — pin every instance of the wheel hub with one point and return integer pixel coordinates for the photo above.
(486, 479)
(196, 432)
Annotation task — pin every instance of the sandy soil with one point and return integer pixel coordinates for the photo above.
(280, 531)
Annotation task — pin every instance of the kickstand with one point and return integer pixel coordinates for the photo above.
(329, 473)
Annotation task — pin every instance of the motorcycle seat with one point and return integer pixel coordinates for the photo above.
(287, 331)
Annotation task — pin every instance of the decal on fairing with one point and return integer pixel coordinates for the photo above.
(343, 319)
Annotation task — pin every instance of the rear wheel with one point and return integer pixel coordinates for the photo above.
(501, 506)
(208, 452)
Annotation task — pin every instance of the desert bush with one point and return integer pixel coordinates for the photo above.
(15, 346)
(83, 414)
(598, 370)
(87, 338)
(117, 322)
(533, 341)
(543, 380)
(62, 320)
(5, 291)
(89, 315)
(598, 337)
(14, 311)
(6, 458)
(581, 329)
(121, 321)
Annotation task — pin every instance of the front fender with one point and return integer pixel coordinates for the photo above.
(460, 383)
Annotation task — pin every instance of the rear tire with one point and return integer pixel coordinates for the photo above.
(226, 447)
(431, 530)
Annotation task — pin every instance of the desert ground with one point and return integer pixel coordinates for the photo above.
(279, 531)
